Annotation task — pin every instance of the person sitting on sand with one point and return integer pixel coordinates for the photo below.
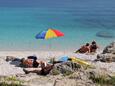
(84, 49)
(93, 47)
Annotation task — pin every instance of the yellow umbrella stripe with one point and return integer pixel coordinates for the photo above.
(50, 34)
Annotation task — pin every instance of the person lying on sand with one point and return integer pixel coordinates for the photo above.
(32, 65)
(32, 62)
(84, 49)
(43, 70)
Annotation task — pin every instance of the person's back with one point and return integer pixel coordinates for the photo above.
(84, 49)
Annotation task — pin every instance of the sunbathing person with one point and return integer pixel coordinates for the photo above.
(84, 49)
(31, 63)
(28, 63)
(44, 70)
(93, 47)
(35, 66)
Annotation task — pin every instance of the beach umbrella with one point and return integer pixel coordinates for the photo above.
(49, 33)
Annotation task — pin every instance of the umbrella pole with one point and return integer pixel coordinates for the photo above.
(50, 48)
(50, 45)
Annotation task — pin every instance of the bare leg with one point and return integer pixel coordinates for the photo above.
(32, 70)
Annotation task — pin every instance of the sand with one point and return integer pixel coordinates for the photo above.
(6, 68)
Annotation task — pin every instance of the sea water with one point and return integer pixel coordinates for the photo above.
(79, 20)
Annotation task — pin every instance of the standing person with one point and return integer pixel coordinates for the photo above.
(84, 49)
(93, 47)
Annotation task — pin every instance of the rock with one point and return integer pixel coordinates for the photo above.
(105, 34)
(10, 58)
(98, 72)
(108, 54)
(65, 68)
(35, 80)
(110, 48)
(79, 78)
(99, 75)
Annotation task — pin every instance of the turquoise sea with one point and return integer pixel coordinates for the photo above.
(79, 20)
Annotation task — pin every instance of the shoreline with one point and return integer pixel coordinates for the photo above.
(41, 54)
(47, 55)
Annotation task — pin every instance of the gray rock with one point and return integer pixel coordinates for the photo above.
(10, 58)
(98, 72)
(110, 48)
(79, 78)
(67, 67)
(108, 54)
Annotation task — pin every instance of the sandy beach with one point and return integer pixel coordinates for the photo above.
(12, 69)
(6, 68)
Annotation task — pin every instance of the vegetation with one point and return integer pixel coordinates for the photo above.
(10, 81)
(52, 59)
(66, 73)
(55, 71)
(101, 80)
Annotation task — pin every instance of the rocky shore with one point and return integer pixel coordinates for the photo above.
(100, 73)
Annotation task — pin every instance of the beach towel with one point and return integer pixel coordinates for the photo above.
(79, 61)
(64, 59)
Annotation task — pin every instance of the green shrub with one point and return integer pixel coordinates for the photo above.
(12, 84)
(55, 71)
(66, 73)
(10, 81)
(104, 81)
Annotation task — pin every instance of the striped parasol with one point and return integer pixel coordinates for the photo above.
(50, 33)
